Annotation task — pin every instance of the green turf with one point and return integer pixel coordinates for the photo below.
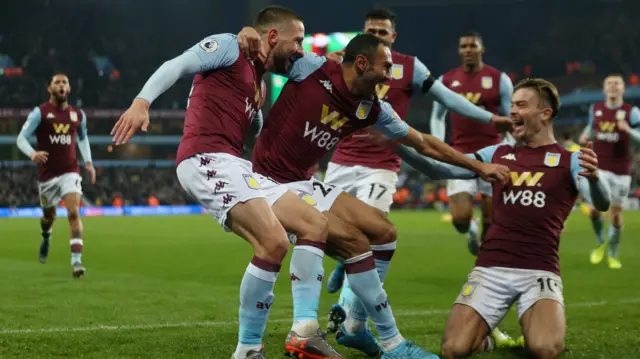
(167, 287)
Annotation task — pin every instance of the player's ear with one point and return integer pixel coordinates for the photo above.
(362, 63)
(272, 37)
(395, 36)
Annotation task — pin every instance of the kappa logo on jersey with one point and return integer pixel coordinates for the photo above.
(510, 156)
(606, 126)
(473, 97)
(397, 71)
(209, 45)
(456, 83)
(251, 182)
(526, 178)
(73, 116)
(552, 159)
(50, 115)
(599, 113)
(621, 114)
(381, 91)
(327, 85)
(363, 109)
(487, 82)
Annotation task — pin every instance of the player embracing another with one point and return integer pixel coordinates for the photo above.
(58, 127)
(614, 125)
(518, 260)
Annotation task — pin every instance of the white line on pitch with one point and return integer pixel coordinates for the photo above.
(279, 320)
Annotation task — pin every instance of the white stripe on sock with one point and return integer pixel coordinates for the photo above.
(76, 241)
(384, 247)
(358, 258)
(261, 273)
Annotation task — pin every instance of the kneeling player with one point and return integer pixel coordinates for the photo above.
(518, 261)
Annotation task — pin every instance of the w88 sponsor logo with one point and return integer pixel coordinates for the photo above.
(526, 197)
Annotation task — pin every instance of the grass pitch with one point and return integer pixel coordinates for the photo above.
(167, 287)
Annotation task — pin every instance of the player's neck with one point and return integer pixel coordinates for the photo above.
(544, 137)
(473, 67)
(60, 106)
(613, 102)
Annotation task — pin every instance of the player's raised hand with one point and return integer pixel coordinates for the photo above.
(92, 171)
(250, 43)
(336, 56)
(502, 123)
(589, 162)
(491, 172)
(135, 118)
(39, 157)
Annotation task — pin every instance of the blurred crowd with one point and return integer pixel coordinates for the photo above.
(115, 186)
(152, 186)
(109, 56)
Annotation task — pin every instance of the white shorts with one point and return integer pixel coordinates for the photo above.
(219, 181)
(471, 186)
(620, 186)
(316, 193)
(374, 187)
(52, 191)
(492, 290)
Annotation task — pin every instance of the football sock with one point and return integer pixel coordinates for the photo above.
(45, 226)
(256, 298)
(614, 240)
(306, 284)
(76, 250)
(598, 227)
(365, 283)
(356, 314)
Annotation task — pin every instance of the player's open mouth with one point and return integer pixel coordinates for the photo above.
(518, 125)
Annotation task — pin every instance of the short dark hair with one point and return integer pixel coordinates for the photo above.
(362, 44)
(472, 33)
(272, 16)
(615, 74)
(547, 92)
(382, 14)
(54, 75)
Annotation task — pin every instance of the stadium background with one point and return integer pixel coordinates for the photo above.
(144, 280)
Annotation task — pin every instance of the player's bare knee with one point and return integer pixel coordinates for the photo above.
(355, 244)
(455, 347)
(388, 234)
(595, 214)
(274, 246)
(73, 214)
(549, 349)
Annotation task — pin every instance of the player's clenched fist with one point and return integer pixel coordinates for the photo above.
(135, 118)
(491, 172)
(39, 157)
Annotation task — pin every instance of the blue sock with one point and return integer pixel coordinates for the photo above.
(365, 283)
(256, 297)
(356, 313)
(598, 227)
(614, 240)
(306, 284)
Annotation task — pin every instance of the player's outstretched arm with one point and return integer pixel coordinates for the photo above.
(29, 127)
(209, 54)
(438, 124)
(431, 168)
(588, 129)
(584, 170)
(423, 80)
(393, 127)
(85, 147)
